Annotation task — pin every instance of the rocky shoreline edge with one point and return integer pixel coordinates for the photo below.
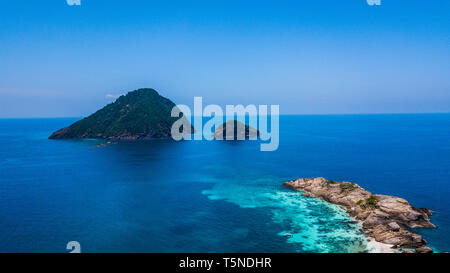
(384, 218)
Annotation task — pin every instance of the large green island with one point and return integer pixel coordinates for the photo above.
(141, 114)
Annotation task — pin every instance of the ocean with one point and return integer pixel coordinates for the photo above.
(216, 196)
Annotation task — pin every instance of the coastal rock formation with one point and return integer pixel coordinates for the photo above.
(141, 114)
(384, 218)
(237, 130)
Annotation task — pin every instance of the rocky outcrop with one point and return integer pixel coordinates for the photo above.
(424, 249)
(235, 130)
(384, 218)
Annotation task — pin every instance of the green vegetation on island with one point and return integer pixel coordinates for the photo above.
(346, 187)
(141, 114)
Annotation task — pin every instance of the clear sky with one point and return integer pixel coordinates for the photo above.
(309, 57)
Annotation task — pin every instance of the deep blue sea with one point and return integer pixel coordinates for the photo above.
(216, 196)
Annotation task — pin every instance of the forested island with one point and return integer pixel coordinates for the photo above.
(141, 114)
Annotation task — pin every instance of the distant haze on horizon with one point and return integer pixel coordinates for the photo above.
(310, 57)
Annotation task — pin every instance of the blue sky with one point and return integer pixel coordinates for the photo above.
(310, 57)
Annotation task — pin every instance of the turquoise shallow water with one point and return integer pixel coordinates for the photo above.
(199, 196)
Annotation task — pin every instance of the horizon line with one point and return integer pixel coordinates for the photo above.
(315, 114)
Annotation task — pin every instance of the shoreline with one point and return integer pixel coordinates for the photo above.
(386, 220)
(376, 247)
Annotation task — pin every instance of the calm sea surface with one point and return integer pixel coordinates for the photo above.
(219, 196)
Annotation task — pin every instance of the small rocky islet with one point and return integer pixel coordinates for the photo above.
(384, 218)
(236, 131)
